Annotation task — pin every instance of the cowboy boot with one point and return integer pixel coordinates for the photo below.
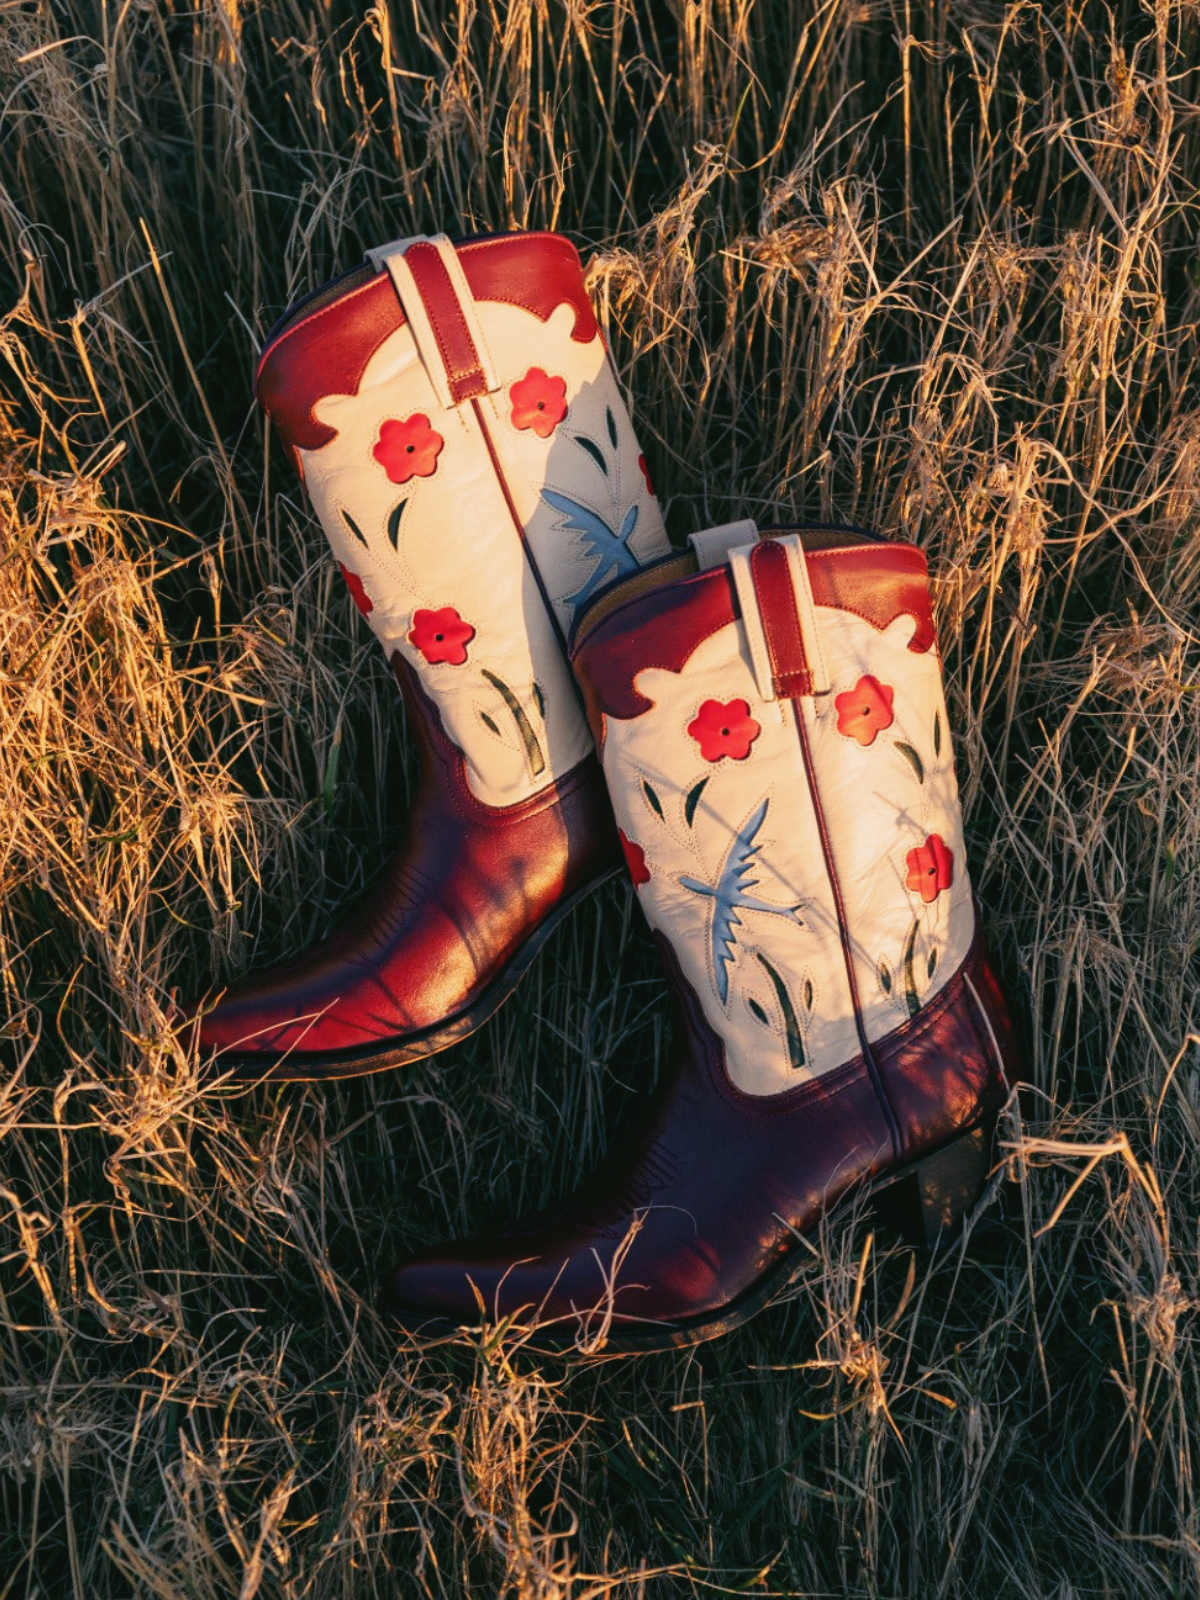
(773, 731)
(454, 416)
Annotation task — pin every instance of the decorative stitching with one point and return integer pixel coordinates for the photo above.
(657, 665)
(518, 524)
(843, 930)
(765, 560)
(811, 642)
(790, 685)
(729, 895)
(846, 552)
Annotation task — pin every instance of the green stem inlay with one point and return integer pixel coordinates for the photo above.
(533, 750)
(795, 1041)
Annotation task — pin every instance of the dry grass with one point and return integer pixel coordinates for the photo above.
(931, 267)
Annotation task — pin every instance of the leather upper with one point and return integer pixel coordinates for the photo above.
(467, 886)
(464, 441)
(325, 349)
(707, 1194)
(783, 839)
(459, 428)
(773, 736)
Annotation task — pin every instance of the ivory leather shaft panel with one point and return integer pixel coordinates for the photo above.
(493, 517)
(734, 876)
(727, 826)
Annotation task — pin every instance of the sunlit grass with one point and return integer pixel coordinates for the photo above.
(929, 268)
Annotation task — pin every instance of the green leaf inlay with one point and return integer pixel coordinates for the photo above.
(533, 750)
(913, 759)
(911, 998)
(393, 525)
(692, 801)
(353, 526)
(593, 449)
(795, 1041)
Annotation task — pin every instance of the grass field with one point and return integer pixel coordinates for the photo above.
(930, 267)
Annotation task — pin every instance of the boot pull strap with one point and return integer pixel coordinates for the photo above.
(440, 311)
(780, 618)
(712, 545)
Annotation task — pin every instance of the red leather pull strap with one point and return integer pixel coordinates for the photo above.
(459, 352)
(790, 674)
(442, 317)
(779, 618)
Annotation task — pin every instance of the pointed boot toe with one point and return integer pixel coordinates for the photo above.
(529, 1274)
(432, 1293)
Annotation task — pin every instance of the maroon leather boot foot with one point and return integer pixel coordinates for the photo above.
(421, 961)
(454, 416)
(773, 732)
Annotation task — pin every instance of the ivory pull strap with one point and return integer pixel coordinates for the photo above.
(441, 314)
(779, 616)
(712, 545)
(756, 638)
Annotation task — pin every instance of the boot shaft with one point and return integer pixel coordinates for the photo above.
(773, 732)
(455, 418)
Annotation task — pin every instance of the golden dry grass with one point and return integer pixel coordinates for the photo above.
(930, 267)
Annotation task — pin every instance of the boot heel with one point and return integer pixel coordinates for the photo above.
(950, 1182)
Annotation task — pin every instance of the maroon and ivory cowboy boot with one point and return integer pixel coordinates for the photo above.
(454, 416)
(771, 724)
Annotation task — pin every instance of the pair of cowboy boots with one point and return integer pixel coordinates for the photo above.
(763, 715)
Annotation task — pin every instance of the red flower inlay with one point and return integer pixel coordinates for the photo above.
(865, 710)
(538, 402)
(408, 449)
(724, 730)
(930, 868)
(635, 859)
(441, 636)
(357, 593)
(646, 475)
